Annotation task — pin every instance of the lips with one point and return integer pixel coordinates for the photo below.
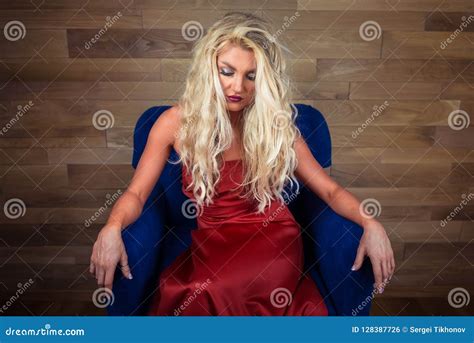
(234, 98)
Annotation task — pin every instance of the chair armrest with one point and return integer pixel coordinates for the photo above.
(332, 241)
(142, 241)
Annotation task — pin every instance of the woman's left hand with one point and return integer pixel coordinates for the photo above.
(375, 244)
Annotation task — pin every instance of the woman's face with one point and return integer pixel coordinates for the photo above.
(237, 68)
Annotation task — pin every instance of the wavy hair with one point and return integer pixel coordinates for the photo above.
(267, 125)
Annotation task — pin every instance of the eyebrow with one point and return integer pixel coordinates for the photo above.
(230, 65)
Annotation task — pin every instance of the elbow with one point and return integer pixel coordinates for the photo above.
(333, 194)
(137, 200)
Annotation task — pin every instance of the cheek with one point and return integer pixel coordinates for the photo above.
(224, 82)
(250, 90)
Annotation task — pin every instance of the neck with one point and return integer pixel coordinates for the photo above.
(235, 117)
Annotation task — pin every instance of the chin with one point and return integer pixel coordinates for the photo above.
(235, 107)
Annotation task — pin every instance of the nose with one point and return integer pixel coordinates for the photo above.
(238, 84)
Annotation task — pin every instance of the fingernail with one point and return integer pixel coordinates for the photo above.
(130, 276)
(353, 268)
(381, 290)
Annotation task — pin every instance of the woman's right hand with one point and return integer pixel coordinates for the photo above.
(108, 250)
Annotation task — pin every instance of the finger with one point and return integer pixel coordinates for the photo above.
(109, 278)
(386, 272)
(100, 276)
(359, 258)
(92, 268)
(377, 273)
(125, 267)
(393, 266)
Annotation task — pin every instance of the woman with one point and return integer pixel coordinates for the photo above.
(235, 134)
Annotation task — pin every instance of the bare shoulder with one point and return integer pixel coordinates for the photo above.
(172, 116)
(168, 123)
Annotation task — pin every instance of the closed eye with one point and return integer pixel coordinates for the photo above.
(250, 76)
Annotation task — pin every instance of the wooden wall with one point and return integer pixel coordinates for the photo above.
(411, 158)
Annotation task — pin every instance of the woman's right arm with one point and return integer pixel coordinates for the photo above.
(108, 249)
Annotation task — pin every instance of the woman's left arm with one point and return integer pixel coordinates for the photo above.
(374, 242)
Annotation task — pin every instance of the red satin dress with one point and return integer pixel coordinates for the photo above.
(239, 263)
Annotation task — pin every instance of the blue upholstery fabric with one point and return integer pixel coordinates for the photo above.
(162, 232)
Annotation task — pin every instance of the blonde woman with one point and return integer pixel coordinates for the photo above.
(235, 134)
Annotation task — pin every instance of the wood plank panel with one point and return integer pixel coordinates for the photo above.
(399, 5)
(129, 43)
(427, 45)
(345, 20)
(55, 19)
(41, 44)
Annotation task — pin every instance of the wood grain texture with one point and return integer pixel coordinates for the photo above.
(399, 106)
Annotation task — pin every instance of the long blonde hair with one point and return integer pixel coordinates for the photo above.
(267, 125)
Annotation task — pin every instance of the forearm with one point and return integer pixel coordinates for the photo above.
(346, 204)
(126, 210)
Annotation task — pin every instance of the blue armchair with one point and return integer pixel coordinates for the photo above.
(162, 232)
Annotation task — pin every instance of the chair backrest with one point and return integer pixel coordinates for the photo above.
(313, 128)
(163, 232)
